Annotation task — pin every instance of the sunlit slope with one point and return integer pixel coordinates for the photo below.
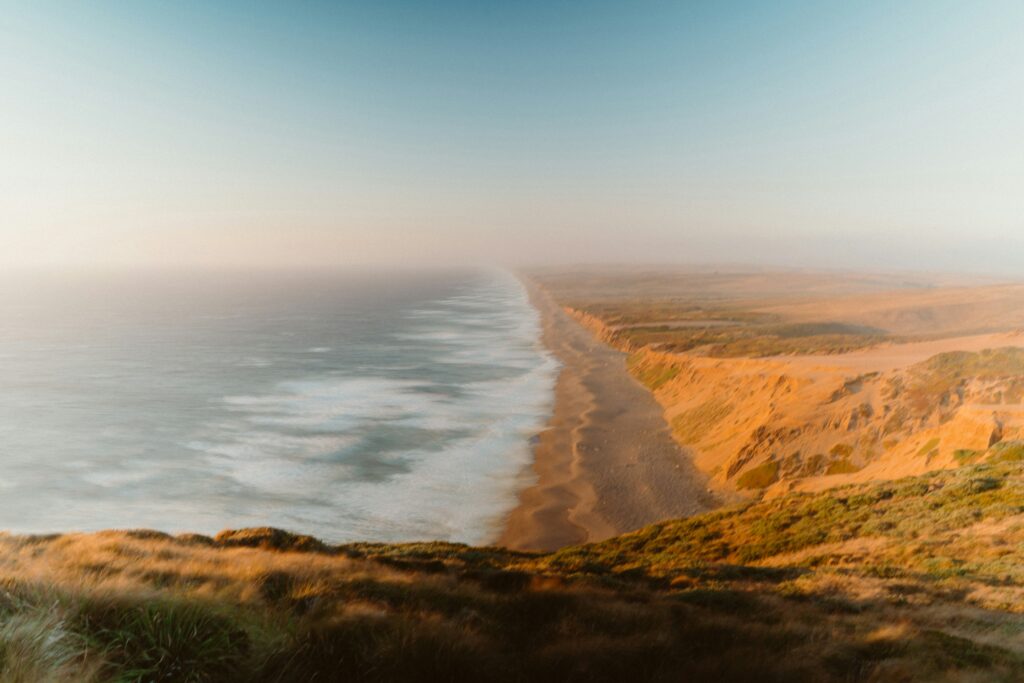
(916, 579)
(780, 381)
(810, 423)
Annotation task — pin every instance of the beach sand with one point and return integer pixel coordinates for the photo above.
(606, 463)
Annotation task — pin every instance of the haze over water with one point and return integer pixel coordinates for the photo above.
(384, 407)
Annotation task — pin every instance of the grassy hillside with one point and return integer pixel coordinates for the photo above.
(917, 579)
(753, 424)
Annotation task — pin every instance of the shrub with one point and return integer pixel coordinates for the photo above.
(842, 450)
(930, 446)
(652, 375)
(385, 648)
(35, 645)
(966, 456)
(844, 466)
(165, 641)
(759, 477)
(1006, 451)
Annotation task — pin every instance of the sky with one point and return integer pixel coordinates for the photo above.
(867, 134)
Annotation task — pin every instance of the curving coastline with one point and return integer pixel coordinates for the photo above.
(605, 463)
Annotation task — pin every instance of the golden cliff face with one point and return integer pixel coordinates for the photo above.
(810, 422)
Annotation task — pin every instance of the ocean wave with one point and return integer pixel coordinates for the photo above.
(435, 456)
(387, 412)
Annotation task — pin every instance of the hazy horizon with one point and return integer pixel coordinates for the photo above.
(409, 134)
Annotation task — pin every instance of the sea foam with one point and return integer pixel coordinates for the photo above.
(385, 407)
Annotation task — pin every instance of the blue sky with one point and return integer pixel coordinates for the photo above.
(848, 134)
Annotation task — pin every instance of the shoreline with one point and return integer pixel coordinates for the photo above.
(605, 462)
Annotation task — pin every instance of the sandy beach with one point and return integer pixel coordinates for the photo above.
(605, 463)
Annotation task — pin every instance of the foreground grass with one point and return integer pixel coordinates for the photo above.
(914, 580)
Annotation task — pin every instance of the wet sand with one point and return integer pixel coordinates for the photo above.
(605, 464)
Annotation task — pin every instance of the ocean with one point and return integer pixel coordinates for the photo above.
(358, 406)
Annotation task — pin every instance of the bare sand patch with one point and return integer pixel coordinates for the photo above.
(606, 463)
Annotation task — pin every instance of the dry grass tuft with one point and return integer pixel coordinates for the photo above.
(919, 579)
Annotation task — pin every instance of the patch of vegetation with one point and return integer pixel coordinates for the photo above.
(759, 477)
(164, 640)
(1006, 451)
(726, 332)
(651, 312)
(930, 446)
(842, 466)
(842, 450)
(862, 582)
(967, 456)
(938, 379)
(903, 511)
(762, 345)
(988, 364)
(693, 424)
(675, 339)
(820, 329)
(652, 375)
(964, 653)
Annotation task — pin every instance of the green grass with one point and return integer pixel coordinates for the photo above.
(904, 511)
(764, 343)
(748, 340)
(929, 447)
(842, 450)
(967, 456)
(736, 332)
(694, 424)
(883, 581)
(842, 466)
(935, 382)
(36, 645)
(988, 364)
(1006, 451)
(165, 640)
(759, 477)
(651, 375)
